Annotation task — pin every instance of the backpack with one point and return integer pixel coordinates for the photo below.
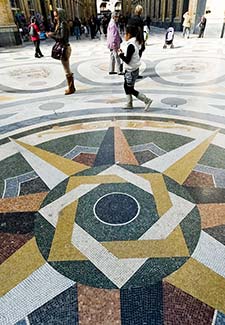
(32, 31)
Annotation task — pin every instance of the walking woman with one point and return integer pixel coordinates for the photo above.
(35, 37)
(61, 34)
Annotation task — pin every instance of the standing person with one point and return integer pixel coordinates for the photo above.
(35, 37)
(113, 43)
(137, 21)
(186, 24)
(105, 23)
(131, 57)
(92, 25)
(201, 26)
(61, 34)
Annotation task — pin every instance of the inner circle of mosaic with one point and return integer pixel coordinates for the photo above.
(134, 253)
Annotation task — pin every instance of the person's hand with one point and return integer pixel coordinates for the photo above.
(48, 34)
(119, 51)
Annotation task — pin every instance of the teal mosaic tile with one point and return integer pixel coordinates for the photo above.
(83, 272)
(63, 145)
(165, 141)
(44, 233)
(154, 270)
(214, 157)
(191, 227)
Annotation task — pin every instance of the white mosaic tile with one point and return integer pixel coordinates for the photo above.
(48, 173)
(119, 271)
(41, 286)
(210, 252)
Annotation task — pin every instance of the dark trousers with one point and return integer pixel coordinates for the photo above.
(129, 82)
(201, 33)
(37, 48)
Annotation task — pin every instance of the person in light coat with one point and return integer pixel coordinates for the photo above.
(113, 43)
(186, 24)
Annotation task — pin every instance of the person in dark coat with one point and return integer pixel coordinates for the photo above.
(61, 34)
(137, 21)
(201, 26)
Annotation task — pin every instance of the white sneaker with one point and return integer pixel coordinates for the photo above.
(147, 105)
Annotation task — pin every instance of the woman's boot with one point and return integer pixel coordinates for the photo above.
(129, 103)
(71, 89)
(146, 100)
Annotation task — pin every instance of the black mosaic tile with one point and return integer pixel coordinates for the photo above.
(206, 195)
(217, 232)
(144, 156)
(62, 310)
(106, 152)
(17, 222)
(142, 306)
(33, 186)
(21, 322)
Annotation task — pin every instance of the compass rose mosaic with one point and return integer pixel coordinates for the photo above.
(112, 205)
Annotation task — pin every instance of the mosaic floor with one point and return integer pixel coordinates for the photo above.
(111, 216)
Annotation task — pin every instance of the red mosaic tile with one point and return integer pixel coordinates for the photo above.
(10, 243)
(85, 158)
(181, 308)
(198, 179)
(98, 306)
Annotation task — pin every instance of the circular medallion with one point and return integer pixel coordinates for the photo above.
(116, 209)
(115, 233)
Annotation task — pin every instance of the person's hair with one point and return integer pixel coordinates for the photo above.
(33, 19)
(62, 17)
(134, 32)
(138, 10)
(115, 14)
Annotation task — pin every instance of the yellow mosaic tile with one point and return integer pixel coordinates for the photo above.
(182, 168)
(160, 192)
(173, 245)
(19, 266)
(67, 166)
(62, 249)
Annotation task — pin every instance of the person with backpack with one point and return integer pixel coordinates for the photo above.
(34, 33)
(131, 58)
(169, 38)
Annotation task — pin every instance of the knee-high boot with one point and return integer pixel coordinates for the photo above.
(71, 89)
(146, 100)
(129, 103)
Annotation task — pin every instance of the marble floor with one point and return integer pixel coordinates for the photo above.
(111, 216)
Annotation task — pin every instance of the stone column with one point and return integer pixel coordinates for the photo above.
(215, 18)
(9, 34)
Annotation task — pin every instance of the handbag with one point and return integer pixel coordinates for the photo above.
(58, 51)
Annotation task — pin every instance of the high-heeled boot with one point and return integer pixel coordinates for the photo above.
(71, 89)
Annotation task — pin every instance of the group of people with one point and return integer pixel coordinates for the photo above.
(188, 22)
(169, 36)
(129, 53)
